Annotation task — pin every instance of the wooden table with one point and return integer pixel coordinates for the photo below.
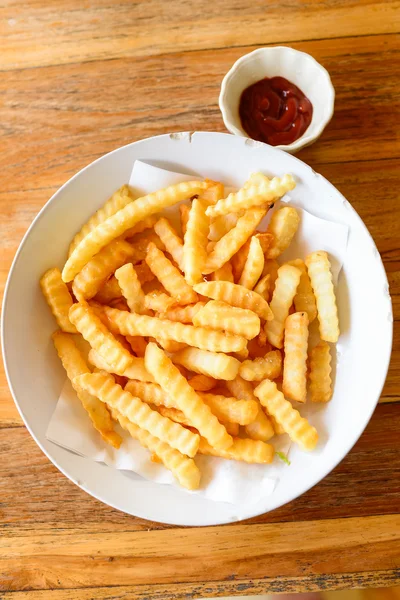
(81, 78)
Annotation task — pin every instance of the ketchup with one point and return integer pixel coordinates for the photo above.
(275, 111)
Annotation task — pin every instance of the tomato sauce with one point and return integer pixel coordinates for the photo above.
(275, 111)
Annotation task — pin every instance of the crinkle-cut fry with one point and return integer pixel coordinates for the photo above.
(172, 241)
(214, 364)
(175, 385)
(298, 428)
(282, 298)
(124, 219)
(141, 242)
(283, 226)
(144, 273)
(262, 287)
(58, 298)
(235, 295)
(200, 337)
(221, 225)
(184, 214)
(239, 259)
(267, 367)
(109, 291)
(182, 314)
(258, 192)
(74, 364)
(131, 289)
(304, 300)
(99, 337)
(294, 384)
(278, 429)
(183, 468)
(319, 270)
(261, 428)
(224, 273)
(220, 315)
(136, 370)
(253, 266)
(144, 224)
(232, 241)
(232, 410)
(118, 200)
(97, 271)
(213, 193)
(242, 354)
(270, 268)
(159, 301)
(195, 242)
(139, 412)
(201, 383)
(170, 277)
(168, 345)
(246, 450)
(119, 303)
(175, 415)
(138, 344)
(320, 373)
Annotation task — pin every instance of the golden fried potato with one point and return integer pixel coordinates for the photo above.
(283, 226)
(319, 270)
(294, 384)
(58, 298)
(282, 298)
(320, 373)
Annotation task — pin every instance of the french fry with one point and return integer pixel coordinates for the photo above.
(319, 270)
(158, 301)
(214, 192)
(263, 286)
(136, 370)
(214, 364)
(206, 339)
(232, 241)
(195, 241)
(99, 337)
(239, 259)
(118, 200)
(253, 266)
(171, 240)
(224, 273)
(124, 219)
(58, 298)
(96, 272)
(182, 314)
(147, 223)
(282, 298)
(138, 412)
(221, 225)
(270, 268)
(304, 300)
(138, 344)
(131, 289)
(169, 345)
(261, 191)
(279, 430)
(119, 303)
(267, 367)
(235, 295)
(294, 384)
(200, 382)
(183, 468)
(227, 410)
(298, 428)
(283, 225)
(184, 214)
(175, 385)
(109, 291)
(261, 428)
(175, 415)
(144, 273)
(172, 280)
(74, 364)
(140, 244)
(247, 450)
(219, 315)
(320, 373)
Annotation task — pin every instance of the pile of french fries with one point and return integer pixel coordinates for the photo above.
(198, 337)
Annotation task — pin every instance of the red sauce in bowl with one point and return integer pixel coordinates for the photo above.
(275, 111)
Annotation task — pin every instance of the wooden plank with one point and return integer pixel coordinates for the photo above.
(54, 117)
(36, 499)
(78, 559)
(41, 33)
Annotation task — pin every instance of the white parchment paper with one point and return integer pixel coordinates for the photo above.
(222, 480)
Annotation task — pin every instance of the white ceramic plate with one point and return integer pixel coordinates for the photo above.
(36, 376)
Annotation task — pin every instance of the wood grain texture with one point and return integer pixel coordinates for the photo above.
(48, 33)
(80, 79)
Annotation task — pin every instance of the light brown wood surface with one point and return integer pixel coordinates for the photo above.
(79, 79)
